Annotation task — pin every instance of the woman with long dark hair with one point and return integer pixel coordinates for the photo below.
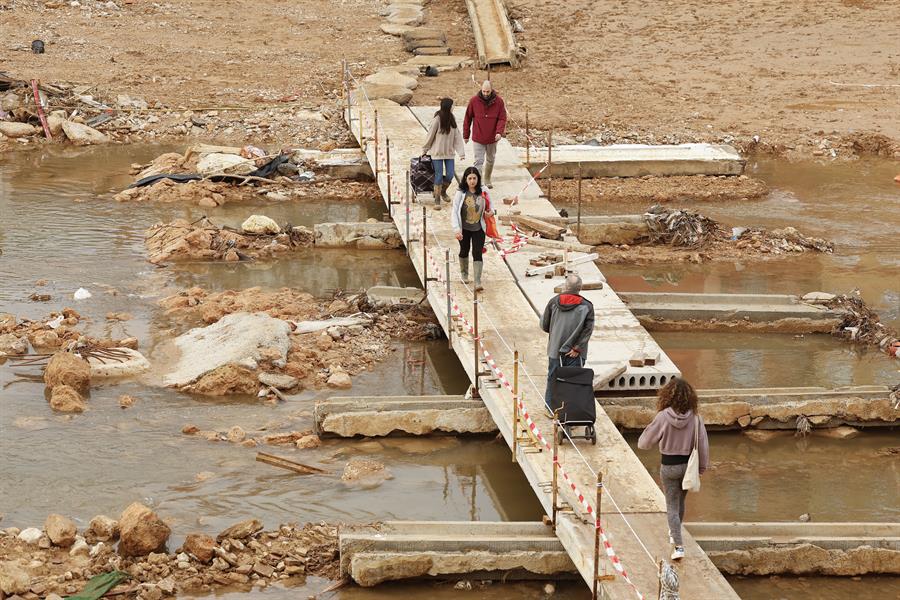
(676, 428)
(444, 142)
(470, 205)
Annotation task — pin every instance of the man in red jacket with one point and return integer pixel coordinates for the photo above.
(486, 119)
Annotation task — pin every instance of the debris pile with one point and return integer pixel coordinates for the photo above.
(859, 323)
(237, 435)
(784, 240)
(204, 240)
(329, 340)
(681, 227)
(211, 176)
(58, 560)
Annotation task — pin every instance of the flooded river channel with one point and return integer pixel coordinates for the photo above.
(58, 222)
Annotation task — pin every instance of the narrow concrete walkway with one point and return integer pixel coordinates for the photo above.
(635, 525)
(755, 308)
(494, 40)
(637, 160)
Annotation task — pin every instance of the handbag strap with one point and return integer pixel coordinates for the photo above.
(697, 434)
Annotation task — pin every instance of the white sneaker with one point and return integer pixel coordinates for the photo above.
(678, 553)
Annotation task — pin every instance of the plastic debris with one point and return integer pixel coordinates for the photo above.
(81, 294)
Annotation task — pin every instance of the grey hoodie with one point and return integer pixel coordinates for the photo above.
(674, 432)
(569, 319)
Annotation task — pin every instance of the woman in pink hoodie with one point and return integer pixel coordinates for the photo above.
(673, 429)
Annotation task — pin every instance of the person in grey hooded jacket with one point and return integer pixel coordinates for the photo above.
(569, 319)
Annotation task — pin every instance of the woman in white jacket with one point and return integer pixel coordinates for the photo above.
(444, 142)
(467, 218)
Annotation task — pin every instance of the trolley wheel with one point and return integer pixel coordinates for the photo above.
(560, 435)
(593, 436)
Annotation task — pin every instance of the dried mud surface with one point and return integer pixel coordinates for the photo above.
(696, 71)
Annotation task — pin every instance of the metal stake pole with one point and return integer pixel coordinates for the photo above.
(578, 234)
(387, 152)
(554, 481)
(597, 537)
(407, 212)
(425, 250)
(475, 393)
(449, 302)
(515, 428)
(550, 166)
(527, 142)
(376, 145)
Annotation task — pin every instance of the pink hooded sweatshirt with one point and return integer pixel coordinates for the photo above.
(674, 432)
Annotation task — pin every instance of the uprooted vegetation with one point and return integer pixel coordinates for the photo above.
(313, 342)
(691, 236)
(210, 176)
(860, 324)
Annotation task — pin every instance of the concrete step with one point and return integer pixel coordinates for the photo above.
(723, 537)
(376, 416)
(638, 160)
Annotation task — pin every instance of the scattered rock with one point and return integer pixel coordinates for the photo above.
(395, 93)
(365, 470)
(764, 435)
(844, 432)
(224, 381)
(66, 399)
(277, 381)
(17, 130)
(30, 535)
(260, 224)
(68, 369)
(141, 531)
(60, 530)
(392, 78)
(11, 345)
(119, 316)
(126, 401)
(82, 134)
(340, 380)
(45, 339)
(241, 531)
(201, 546)
(236, 434)
(13, 579)
(190, 429)
(103, 528)
(79, 548)
(309, 441)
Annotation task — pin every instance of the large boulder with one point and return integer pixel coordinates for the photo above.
(82, 134)
(260, 224)
(17, 130)
(13, 579)
(60, 530)
(236, 339)
(203, 547)
(392, 78)
(68, 369)
(141, 531)
(66, 399)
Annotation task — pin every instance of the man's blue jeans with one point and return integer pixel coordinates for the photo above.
(440, 165)
(553, 364)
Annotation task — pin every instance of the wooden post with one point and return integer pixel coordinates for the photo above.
(387, 154)
(550, 166)
(527, 142)
(515, 427)
(408, 186)
(475, 393)
(345, 91)
(376, 148)
(449, 301)
(362, 140)
(578, 234)
(597, 537)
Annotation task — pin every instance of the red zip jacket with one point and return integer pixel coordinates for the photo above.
(484, 119)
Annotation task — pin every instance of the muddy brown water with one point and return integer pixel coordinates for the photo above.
(58, 222)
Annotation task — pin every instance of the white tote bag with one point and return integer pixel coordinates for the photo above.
(691, 480)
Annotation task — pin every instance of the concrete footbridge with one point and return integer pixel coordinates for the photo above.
(498, 340)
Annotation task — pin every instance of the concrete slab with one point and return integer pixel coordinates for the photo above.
(756, 308)
(508, 316)
(724, 537)
(637, 160)
(343, 163)
(494, 39)
(411, 415)
(386, 294)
